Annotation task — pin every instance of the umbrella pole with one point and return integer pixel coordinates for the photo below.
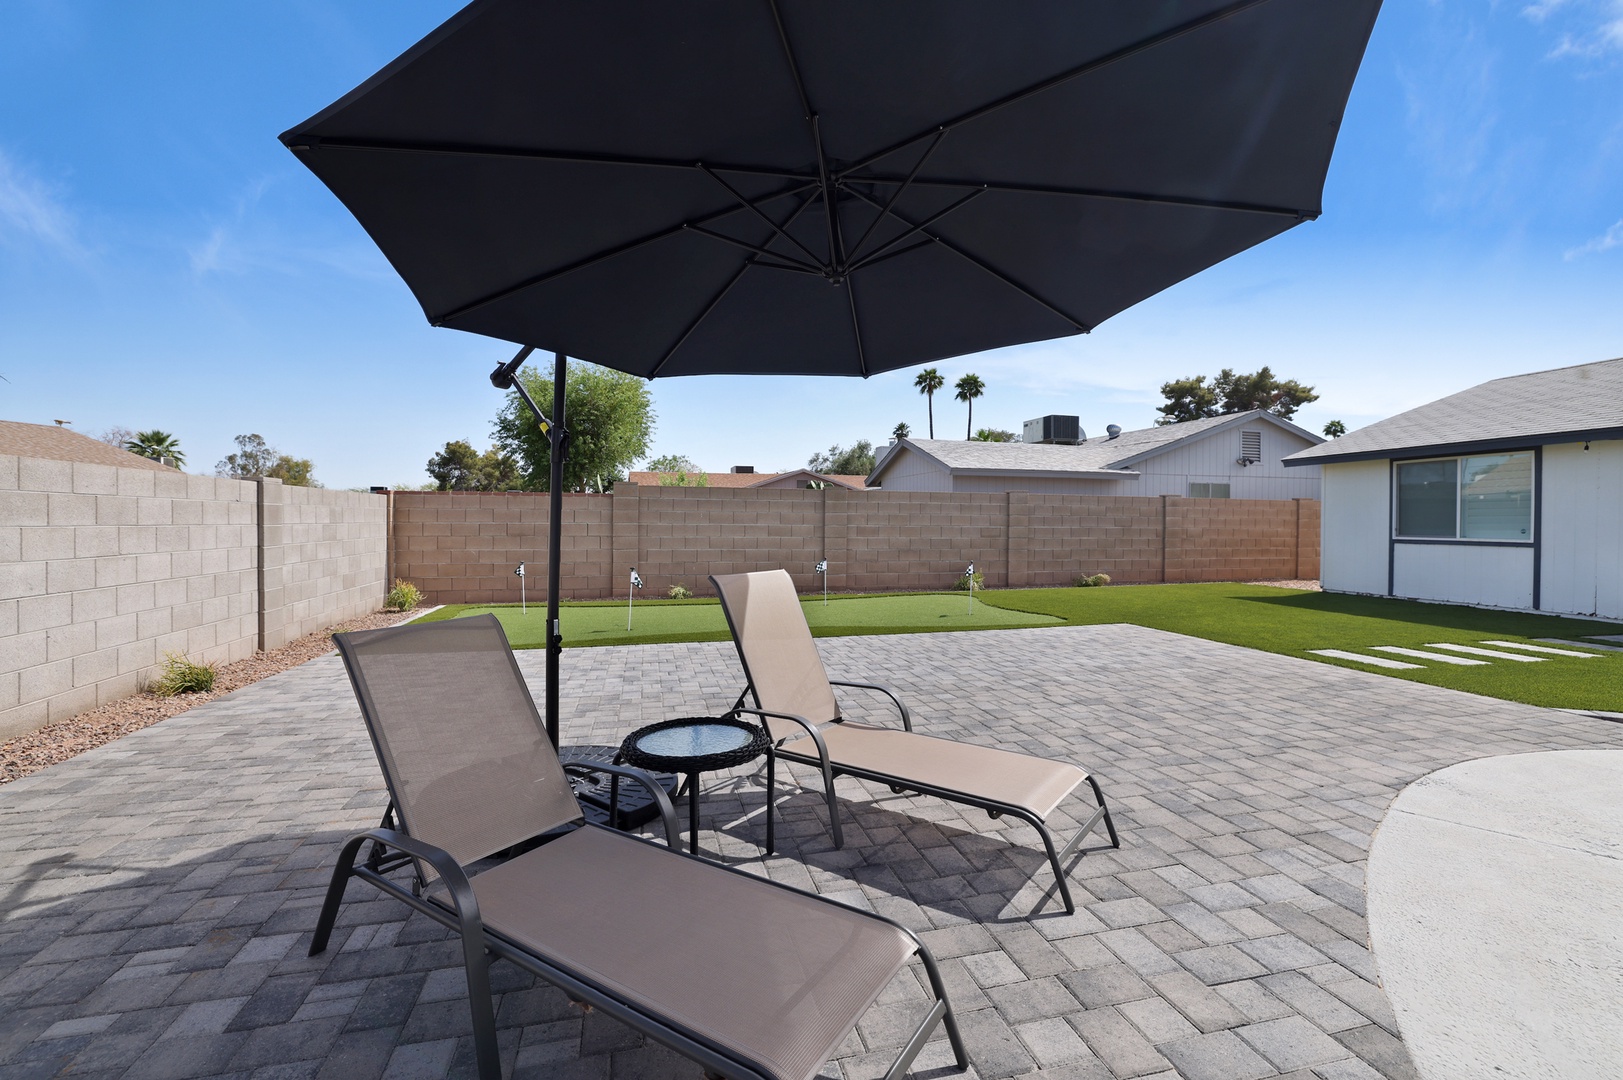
(505, 377)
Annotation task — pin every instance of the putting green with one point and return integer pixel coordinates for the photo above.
(702, 620)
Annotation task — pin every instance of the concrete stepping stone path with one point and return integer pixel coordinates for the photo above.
(1462, 661)
(1492, 654)
(1542, 649)
(1374, 661)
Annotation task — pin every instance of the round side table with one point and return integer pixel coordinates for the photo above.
(697, 744)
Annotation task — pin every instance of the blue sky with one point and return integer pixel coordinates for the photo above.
(164, 262)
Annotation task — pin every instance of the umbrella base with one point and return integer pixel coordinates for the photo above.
(637, 806)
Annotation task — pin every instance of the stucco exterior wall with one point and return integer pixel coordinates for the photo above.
(1582, 538)
(1356, 526)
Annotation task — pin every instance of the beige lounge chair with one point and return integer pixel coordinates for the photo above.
(795, 699)
(746, 977)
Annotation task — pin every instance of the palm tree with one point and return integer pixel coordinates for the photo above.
(928, 382)
(969, 388)
(156, 445)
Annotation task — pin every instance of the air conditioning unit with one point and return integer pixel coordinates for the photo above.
(1064, 430)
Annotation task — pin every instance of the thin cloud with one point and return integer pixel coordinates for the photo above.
(31, 214)
(1606, 241)
(1589, 28)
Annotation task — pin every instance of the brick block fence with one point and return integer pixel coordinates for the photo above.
(103, 570)
(463, 547)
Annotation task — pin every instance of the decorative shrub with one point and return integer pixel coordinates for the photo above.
(963, 582)
(1094, 581)
(403, 597)
(680, 592)
(181, 676)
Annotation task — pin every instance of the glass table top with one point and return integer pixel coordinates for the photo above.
(695, 740)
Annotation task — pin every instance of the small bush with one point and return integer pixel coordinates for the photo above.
(963, 583)
(403, 597)
(680, 592)
(1094, 581)
(181, 676)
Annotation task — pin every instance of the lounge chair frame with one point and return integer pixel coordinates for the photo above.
(453, 904)
(832, 770)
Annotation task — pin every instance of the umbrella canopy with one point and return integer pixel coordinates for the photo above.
(835, 187)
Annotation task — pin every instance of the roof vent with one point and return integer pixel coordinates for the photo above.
(1065, 430)
(1112, 430)
(743, 468)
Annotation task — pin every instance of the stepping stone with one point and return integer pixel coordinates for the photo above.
(1462, 661)
(1616, 639)
(1582, 644)
(1474, 651)
(1543, 649)
(1374, 661)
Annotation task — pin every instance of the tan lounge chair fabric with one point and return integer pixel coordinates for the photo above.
(778, 649)
(982, 772)
(775, 975)
(476, 786)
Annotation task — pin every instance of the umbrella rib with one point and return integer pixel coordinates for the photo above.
(1064, 77)
(836, 246)
(920, 227)
(758, 212)
(789, 55)
(570, 157)
(856, 325)
(793, 263)
(1093, 193)
(897, 194)
(654, 371)
(592, 260)
(989, 269)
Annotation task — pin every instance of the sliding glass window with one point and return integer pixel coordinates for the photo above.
(1485, 497)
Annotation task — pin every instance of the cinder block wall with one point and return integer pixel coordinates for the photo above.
(104, 570)
(462, 547)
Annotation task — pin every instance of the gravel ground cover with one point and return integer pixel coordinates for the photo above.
(60, 741)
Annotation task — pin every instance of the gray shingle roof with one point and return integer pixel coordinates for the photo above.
(60, 444)
(1577, 402)
(1097, 454)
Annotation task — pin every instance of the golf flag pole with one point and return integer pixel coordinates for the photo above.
(631, 589)
(521, 603)
(822, 572)
(969, 576)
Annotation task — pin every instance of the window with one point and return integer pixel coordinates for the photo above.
(1208, 491)
(1251, 446)
(1485, 497)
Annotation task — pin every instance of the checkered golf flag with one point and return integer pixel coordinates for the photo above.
(636, 581)
(822, 567)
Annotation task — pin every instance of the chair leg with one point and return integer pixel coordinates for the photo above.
(947, 1018)
(335, 894)
(833, 806)
(1053, 860)
(1110, 825)
(486, 1052)
(771, 796)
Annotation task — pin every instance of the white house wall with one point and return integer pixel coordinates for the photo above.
(1582, 538)
(1355, 527)
(1486, 575)
(914, 472)
(1044, 485)
(1215, 459)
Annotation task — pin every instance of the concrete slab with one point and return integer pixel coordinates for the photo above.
(1582, 644)
(1422, 654)
(1543, 649)
(1372, 661)
(1492, 654)
(1495, 890)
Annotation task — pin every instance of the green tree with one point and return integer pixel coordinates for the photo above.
(683, 478)
(459, 467)
(929, 381)
(858, 460)
(610, 417)
(1187, 399)
(901, 431)
(254, 458)
(1193, 399)
(671, 463)
(1335, 429)
(156, 445)
(292, 471)
(969, 388)
(988, 434)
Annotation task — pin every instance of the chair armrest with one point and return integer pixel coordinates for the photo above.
(907, 717)
(811, 728)
(448, 869)
(667, 813)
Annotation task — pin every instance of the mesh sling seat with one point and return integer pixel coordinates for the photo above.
(746, 977)
(794, 697)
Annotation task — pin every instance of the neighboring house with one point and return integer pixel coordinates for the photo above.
(59, 444)
(1509, 494)
(745, 476)
(1223, 457)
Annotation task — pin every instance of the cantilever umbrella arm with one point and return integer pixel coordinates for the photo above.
(505, 377)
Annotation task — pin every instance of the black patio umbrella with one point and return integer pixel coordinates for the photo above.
(830, 187)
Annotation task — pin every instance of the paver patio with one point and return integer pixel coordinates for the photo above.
(157, 894)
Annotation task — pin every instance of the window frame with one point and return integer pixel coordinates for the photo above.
(1534, 476)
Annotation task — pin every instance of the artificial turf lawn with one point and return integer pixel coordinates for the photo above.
(604, 622)
(1283, 621)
